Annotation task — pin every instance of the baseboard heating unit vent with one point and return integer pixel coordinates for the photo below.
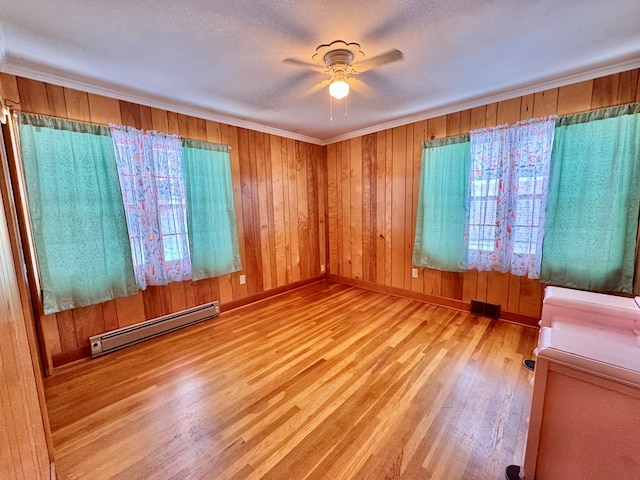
(123, 337)
(485, 309)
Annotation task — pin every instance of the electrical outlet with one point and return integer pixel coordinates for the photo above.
(243, 279)
(414, 272)
(322, 269)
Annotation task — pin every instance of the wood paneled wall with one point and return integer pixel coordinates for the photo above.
(23, 431)
(365, 189)
(373, 184)
(279, 192)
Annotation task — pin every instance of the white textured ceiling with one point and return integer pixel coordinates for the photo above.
(223, 59)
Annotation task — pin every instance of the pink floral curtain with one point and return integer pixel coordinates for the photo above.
(151, 180)
(506, 198)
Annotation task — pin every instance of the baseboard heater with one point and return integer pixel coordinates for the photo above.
(123, 337)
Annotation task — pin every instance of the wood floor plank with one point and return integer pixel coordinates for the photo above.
(325, 382)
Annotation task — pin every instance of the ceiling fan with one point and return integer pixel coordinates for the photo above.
(341, 60)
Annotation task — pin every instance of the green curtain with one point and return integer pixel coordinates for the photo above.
(593, 201)
(439, 239)
(76, 211)
(211, 217)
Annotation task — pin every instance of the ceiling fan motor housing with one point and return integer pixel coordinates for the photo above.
(338, 58)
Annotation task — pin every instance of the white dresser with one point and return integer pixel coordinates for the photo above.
(585, 412)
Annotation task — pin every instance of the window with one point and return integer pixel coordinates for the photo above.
(151, 180)
(594, 200)
(508, 181)
(76, 212)
(211, 217)
(482, 214)
(439, 240)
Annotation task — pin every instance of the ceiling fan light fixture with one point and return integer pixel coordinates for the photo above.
(339, 88)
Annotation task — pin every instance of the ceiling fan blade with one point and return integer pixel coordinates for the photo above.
(361, 88)
(301, 63)
(389, 56)
(317, 87)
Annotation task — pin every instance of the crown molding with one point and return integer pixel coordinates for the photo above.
(11, 65)
(600, 70)
(54, 76)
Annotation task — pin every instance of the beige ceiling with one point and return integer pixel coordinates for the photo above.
(223, 59)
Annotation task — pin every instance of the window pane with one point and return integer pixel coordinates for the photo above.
(173, 247)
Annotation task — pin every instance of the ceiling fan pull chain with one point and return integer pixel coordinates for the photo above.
(330, 108)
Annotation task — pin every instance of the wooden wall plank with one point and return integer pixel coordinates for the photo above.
(10, 92)
(509, 111)
(33, 96)
(575, 98)
(303, 210)
(173, 124)
(130, 113)
(202, 291)
(453, 124)
(491, 115)
(628, 86)
(605, 91)
(526, 106)
(160, 120)
(409, 215)
(286, 210)
(270, 210)
(531, 293)
(110, 315)
(321, 170)
(346, 189)
(88, 321)
(104, 110)
(146, 118)
(452, 285)
(292, 235)
(381, 208)
(130, 310)
(50, 331)
(419, 133)
(57, 104)
(77, 104)
(316, 188)
(388, 219)
(545, 103)
(157, 301)
(253, 254)
(355, 156)
(263, 210)
(278, 211)
(177, 296)
(231, 134)
(67, 330)
(313, 209)
(368, 208)
(469, 285)
(513, 302)
(216, 131)
(332, 208)
(498, 289)
(398, 229)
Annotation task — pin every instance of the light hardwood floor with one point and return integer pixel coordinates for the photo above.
(326, 382)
